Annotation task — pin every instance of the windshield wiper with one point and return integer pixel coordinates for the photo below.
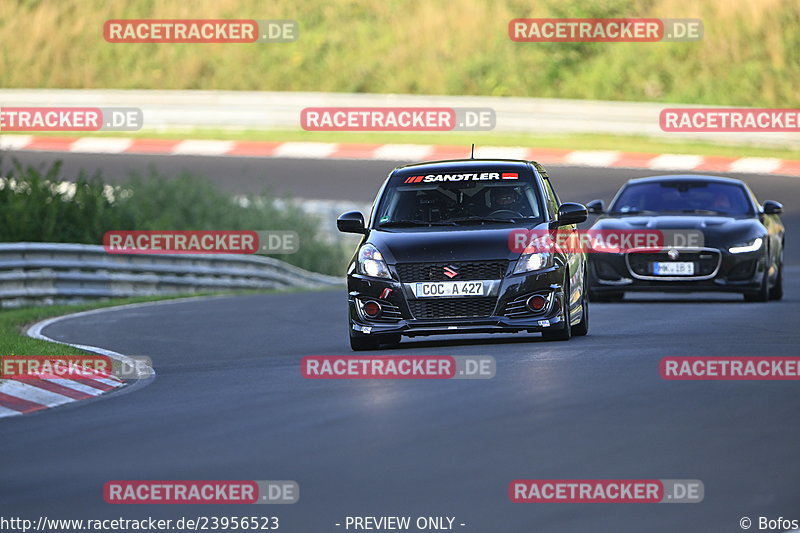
(406, 223)
(635, 212)
(468, 220)
(702, 211)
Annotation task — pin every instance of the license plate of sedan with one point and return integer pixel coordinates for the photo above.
(433, 289)
(673, 269)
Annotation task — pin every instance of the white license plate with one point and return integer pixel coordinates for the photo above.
(673, 269)
(438, 289)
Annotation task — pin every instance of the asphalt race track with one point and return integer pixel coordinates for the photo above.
(229, 402)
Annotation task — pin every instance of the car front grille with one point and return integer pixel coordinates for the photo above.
(413, 272)
(706, 263)
(452, 307)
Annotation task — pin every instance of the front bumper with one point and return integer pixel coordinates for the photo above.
(736, 273)
(401, 306)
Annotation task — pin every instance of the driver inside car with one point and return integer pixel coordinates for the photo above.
(506, 199)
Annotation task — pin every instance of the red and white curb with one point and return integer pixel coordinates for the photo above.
(23, 396)
(399, 152)
(19, 397)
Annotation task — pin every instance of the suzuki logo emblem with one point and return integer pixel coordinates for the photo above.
(450, 271)
(673, 254)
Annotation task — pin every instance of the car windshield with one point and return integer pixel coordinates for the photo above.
(457, 203)
(695, 197)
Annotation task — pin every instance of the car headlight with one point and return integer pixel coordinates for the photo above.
(371, 262)
(529, 262)
(749, 246)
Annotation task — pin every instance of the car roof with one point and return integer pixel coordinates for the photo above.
(450, 165)
(699, 178)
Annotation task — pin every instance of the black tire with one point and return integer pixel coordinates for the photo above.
(763, 293)
(582, 328)
(359, 344)
(565, 333)
(776, 292)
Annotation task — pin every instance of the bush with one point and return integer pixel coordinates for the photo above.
(43, 206)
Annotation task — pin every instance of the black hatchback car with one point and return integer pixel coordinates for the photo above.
(742, 245)
(435, 257)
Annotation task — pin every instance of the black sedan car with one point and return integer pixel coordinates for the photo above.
(742, 241)
(435, 256)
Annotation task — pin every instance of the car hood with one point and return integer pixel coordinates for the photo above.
(449, 244)
(717, 230)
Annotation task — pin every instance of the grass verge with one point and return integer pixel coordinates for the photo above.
(747, 54)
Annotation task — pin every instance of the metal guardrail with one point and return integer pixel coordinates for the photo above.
(327, 211)
(49, 273)
(261, 110)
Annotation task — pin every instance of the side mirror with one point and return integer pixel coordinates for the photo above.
(596, 207)
(571, 213)
(351, 222)
(772, 208)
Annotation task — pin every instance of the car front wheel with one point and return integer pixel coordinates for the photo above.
(582, 327)
(564, 334)
(763, 293)
(776, 292)
(359, 344)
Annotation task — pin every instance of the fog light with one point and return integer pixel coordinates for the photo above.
(536, 303)
(372, 309)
